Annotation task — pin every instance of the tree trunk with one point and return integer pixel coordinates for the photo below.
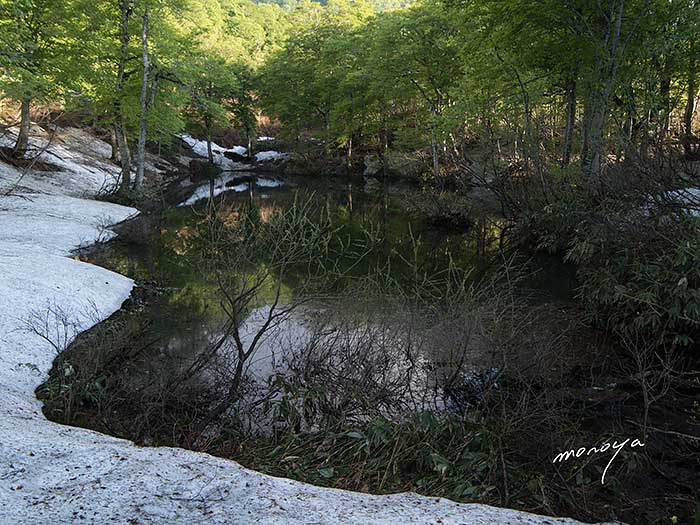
(114, 156)
(434, 148)
(124, 155)
(665, 110)
(591, 163)
(210, 153)
(23, 137)
(690, 103)
(570, 122)
(210, 169)
(141, 150)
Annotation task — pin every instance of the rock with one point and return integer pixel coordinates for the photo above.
(236, 157)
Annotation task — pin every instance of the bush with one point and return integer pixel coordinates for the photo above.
(637, 263)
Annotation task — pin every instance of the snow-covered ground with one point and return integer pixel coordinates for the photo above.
(685, 201)
(55, 474)
(267, 156)
(80, 173)
(199, 147)
(218, 152)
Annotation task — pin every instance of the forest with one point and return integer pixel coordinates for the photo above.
(461, 236)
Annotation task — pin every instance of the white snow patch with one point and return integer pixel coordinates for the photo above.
(200, 148)
(265, 156)
(77, 139)
(265, 139)
(56, 224)
(78, 171)
(688, 199)
(184, 160)
(55, 474)
(685, 200)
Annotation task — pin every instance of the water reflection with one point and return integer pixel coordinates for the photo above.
(189, 318)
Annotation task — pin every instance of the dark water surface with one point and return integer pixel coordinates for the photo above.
(187, 318)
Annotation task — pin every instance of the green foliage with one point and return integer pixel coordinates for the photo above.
(30, 41)
(355, 76)
(638, 271)
(428, 453)
(649, 285)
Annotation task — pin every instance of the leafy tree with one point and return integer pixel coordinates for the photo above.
(213, 86)
(29, 37)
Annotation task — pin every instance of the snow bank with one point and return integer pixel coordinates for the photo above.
(684, 200)
(50, 473)
(266, 156)
(687, 199)
(56, 224)
(200, 148)
(79, 172)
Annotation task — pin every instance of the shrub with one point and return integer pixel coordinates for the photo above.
(637, 263)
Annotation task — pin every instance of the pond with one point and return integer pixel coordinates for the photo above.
(189, 318)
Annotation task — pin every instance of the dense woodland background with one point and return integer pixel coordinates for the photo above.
(578, 118)
(576, 114)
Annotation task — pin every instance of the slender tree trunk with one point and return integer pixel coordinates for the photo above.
(119, 130)
(114, 156)
(586, 126)
(210, 152)
(210, 167)
(385, 145)
(607, 67)
(690, 103)
(141, 150)
(644, 141)
(124, 156)
(22, 142)
(592, 163)
(665, 110)
(434, 147)
(570, 122)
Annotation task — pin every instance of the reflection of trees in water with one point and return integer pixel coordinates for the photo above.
(487, 232)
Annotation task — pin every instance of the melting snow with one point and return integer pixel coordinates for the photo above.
(265, 156)
(78, 173)
(267, 183)
(688, 200)
(685, 200)
(218, 152)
